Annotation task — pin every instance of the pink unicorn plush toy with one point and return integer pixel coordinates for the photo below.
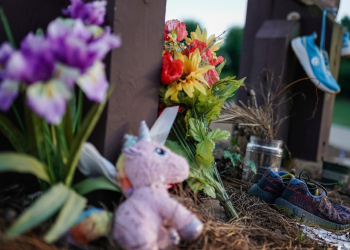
(149, 218)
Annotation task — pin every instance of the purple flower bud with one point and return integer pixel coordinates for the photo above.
(92, 13)
(6, 51)
(103, 44)
(8, 93)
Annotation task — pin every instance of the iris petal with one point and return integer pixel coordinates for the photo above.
(48, 100)
(94, 83)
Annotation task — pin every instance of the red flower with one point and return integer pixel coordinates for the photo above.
(171, 69)
(175, 25)
(207, 53)
(201, 46)
(162, 107)
(211, 76)
(216, 61)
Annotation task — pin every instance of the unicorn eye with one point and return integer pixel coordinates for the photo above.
(160, 152)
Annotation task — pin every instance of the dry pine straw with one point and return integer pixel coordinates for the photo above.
(259, 227)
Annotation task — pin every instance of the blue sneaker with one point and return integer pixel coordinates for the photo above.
(345, 49)
(315, 63)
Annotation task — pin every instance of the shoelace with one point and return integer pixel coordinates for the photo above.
(323, 30)
(322, 40)
(326, 62)
(313, 189)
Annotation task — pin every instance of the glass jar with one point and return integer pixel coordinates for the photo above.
(265, 153)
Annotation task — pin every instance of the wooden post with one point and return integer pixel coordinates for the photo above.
(272, 51)
(135, 70)
(308, 134)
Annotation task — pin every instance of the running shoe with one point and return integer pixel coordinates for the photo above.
(270, 186)
(312, 208)
(315, 63)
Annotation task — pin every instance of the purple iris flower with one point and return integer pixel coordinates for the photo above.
(92, 13)
(33, 62)
(79, 47)
(69, 43)
(8, 93)
(74, 44)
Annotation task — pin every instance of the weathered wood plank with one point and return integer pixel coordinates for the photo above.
(272, 51)
(135, 70)
(257, 12)
(328, 105)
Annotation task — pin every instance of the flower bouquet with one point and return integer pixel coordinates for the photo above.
(191, 79)
(48, 75)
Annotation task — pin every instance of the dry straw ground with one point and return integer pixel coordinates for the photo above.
(259, 226)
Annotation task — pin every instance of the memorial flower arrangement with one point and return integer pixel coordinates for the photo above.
(191, 79)
(46, 77)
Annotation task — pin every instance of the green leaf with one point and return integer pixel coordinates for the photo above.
(71, 210)
(209, 190)
(197, 129)
(252, 165)
(204, 152)
(13, 134)
(178, 149)
(224, 88)
(89, 185)
(40, 210)
(24, 164)
(235, 158)
(67, 126)
(218, 135)
(83, 134)
(7, 29)
(242, 80)
(220, 67)
(38, 132)
(196, 185)
(234, 141)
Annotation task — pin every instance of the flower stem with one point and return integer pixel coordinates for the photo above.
(6, 25)
(47, 144)
(19, 119)
(77, 118)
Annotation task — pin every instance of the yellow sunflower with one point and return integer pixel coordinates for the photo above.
(203, 38)
(192, 76)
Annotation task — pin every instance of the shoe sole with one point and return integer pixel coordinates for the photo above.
(304, 60)
(345, 53)
(306, 218)
(256, 191)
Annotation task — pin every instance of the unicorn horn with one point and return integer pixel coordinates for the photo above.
(144, 134)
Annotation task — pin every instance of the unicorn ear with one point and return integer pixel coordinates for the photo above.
(144, 134)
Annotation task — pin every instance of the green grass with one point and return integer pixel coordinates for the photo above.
(341, 114)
